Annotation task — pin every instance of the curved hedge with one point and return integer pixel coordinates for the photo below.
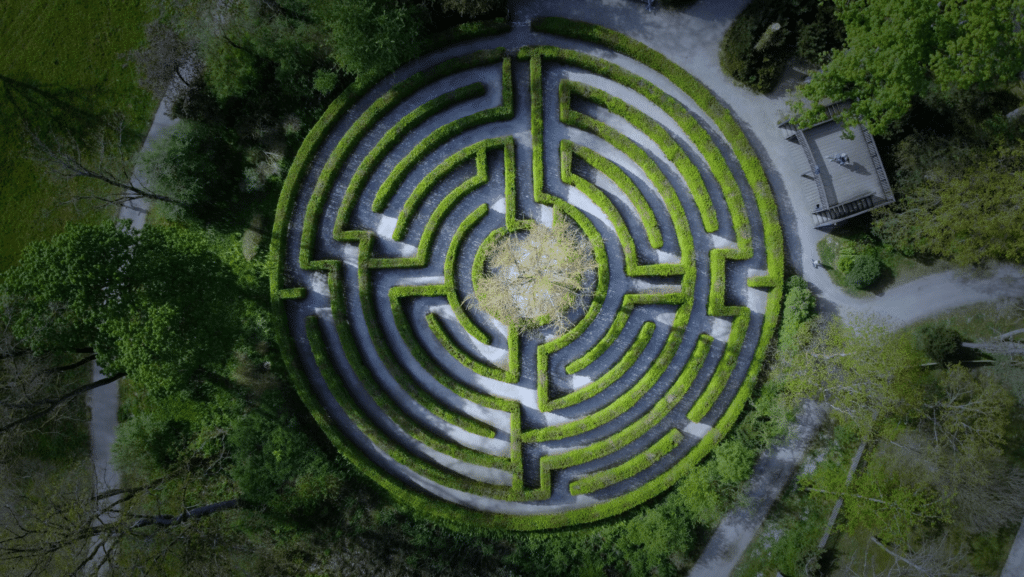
(420, 442)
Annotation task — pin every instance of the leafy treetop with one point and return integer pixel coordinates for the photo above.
(898, 49)
(155, 304)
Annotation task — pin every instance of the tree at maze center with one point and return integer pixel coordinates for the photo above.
(537, 277)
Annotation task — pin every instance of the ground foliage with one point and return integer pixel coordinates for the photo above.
(59, 68)
(937, 469)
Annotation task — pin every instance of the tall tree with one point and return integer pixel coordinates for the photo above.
(370, 38)
(102, 155)
(956, 201)
(35, 389)
(200, 167)
(861, 369)
(156, 304)
(898, 49)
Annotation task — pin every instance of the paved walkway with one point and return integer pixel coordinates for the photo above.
(1014, 566)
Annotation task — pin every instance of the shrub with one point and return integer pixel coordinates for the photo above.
(734, 462)
(807, 28)
(275, 467)
(147, 443)
(798, 309)
(800, 301)
(860, 270)
(939, 343)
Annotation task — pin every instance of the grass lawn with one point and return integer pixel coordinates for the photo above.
(980, 321)
(59, 63)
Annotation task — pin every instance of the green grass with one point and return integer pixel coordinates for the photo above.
(980, 321)
(60, 63)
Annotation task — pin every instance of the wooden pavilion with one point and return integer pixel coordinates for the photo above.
(845, 177)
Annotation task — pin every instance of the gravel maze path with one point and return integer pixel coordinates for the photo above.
(379, 241)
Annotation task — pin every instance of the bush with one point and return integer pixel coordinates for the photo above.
(798, 309)
(860, 270)
(149, 444)
(807, 28)
(734, 461)
(800, 301)
(274, 466)
(939, 343)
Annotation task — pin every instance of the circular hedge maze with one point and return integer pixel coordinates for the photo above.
(383, 224)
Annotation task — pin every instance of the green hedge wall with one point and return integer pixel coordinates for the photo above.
(457, 514)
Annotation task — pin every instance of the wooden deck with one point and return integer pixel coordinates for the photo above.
(843, 184)
(839, 191)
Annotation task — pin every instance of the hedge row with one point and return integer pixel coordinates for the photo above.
(388, 358)
(449, 273)
(537, 128)
(419, 194)
(686, 265)
(623, 403)
(395, 450)
(353, 136)
(562, 210)
(404, 126)
(645, 423)
(701, 139)
(480, 368)
(769, 215)
(716, 162)
(656, 132)
(738, 142)
(434, 140)
(447, 204)
(630, 468)
(565, 210)
(621, 180)
(646, 163)
(613, 374)
(605, 343)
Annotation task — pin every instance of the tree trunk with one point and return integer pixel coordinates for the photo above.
(898, 557)
(54, 403)
(73, 365)
(193, 513)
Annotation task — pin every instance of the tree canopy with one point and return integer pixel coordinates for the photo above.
(154, 304)
(863, 371)
(897, 50)
(956, 201)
